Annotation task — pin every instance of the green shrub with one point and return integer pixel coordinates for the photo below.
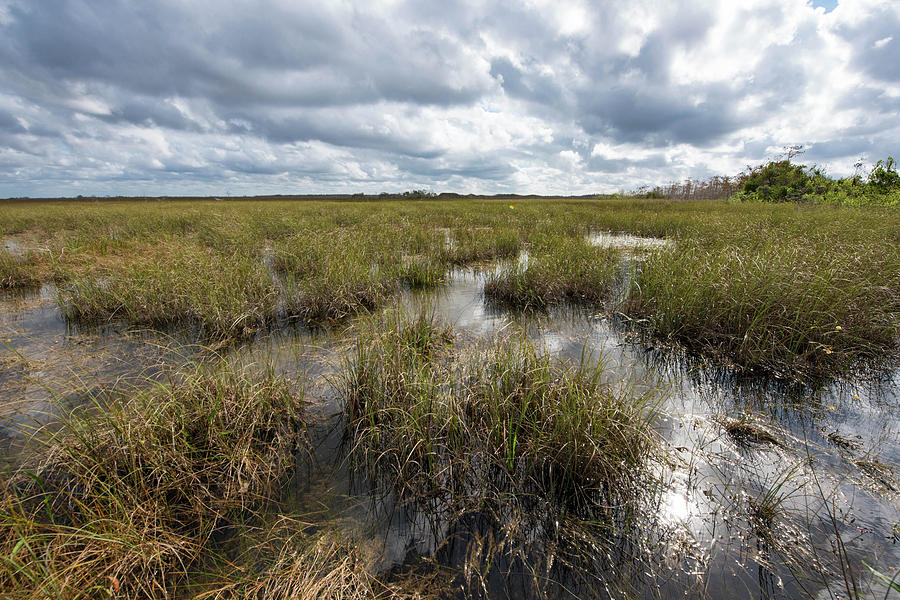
(884, 177)
(782, 181)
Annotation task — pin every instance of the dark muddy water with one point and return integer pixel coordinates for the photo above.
(811, 494)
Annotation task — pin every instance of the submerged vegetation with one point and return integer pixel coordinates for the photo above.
(503, 437)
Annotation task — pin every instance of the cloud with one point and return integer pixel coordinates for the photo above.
(10, 124)
(283, 96)
(869, 32)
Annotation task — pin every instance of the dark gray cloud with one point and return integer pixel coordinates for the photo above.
(368, 131)
(150, 113)
(534, 87)
(875, 42)
(253, 54)
(660, 116)
(491, 169)
(9, 123)
(283, 96)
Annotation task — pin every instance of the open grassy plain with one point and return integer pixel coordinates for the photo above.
(798, 290)
(531, 471)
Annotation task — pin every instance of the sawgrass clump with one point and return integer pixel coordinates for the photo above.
(127, 495)
(480, 244)
(508, 410)
(219, 295)
(293, 560)
(536, 454)
(797, 310)
(330, 276)
(16, 272)
(558, 427)
(558, 268)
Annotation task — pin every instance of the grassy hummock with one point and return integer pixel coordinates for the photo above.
(794, 309)
(413, 410)
(220, 295)
(16, 272)
(127, 495)
(505, 435)
(557, 269)
(480, 244)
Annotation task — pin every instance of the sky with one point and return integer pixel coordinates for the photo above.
(240, 97)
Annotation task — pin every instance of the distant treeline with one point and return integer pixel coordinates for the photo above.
(408, 195)
(775, 181)
(720, 186)
(785, 181)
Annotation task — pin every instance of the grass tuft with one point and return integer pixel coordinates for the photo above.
(480, 244)
(506, 437)
(127, 495)
(797, 310)
(559, 427)
(295, 561)
(16, 272)
(557, 269)
(222, 296)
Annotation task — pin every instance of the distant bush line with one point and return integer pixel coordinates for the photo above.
(785, 181)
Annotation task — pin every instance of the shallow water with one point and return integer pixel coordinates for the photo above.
(830, 505)
(48, 365)
(626, 241)
(13, 247)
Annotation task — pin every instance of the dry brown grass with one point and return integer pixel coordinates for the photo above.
(305, 562)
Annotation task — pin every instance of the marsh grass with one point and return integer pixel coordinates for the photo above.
(294, 560)
(330, 276)
(531, 466)
(335, 294)
(881, 473)
(16, 272)
(109, 549)
(127, 495)
(480, 244)
(557, 269)
(745, 432)
(756, 285)
(559, 427)
(505, 436)
(891, 583)
(423, 271)
(769, 516)
(222, 296)
(791, 309)
(326, 567)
